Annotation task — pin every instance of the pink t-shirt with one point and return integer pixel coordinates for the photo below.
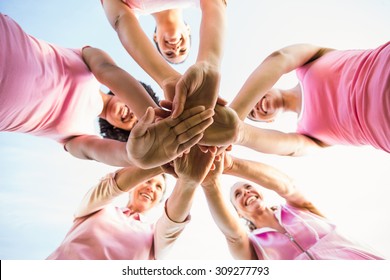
(308, 237)
(346, 98)
(102, 231)
(147, 7)
(45, 90)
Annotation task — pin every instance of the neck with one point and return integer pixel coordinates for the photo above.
(266, 219)
(168, 18)
(292, 99)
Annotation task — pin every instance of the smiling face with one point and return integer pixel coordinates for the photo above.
(173, 43)
(119, 114)
(246, 199)
(268, 107)
(147, 194)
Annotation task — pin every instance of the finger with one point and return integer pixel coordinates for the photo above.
(181, 92)
(190, 133)
(161, 113)
(221, 101)
(143, 123)
(166, 104)
(229, 148)
(212, 149)
(203, 149)
(178, 104)
(194, 121)
(190, 143)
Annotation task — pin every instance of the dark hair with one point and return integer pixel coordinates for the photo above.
(109, 131)
(158, 48)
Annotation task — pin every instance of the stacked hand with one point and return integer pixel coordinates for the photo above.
(153, 143)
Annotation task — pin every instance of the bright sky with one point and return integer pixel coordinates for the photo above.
(41, 184)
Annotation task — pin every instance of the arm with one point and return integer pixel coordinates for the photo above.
(228, 129)
(200, 83)
(276, 142)
(112, 186)
(92, 147)
(270, 178)
(191, 169)
(236, 236)
(268, 73)
(125, 86)
(137, 44)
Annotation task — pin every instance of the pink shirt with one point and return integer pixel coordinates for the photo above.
(308, 237)
(45, 90)
(346, 98)
(147, 7)
(102, 231)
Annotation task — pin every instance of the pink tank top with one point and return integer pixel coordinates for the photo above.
(346, 98)
(45, 90)
(147, 7)
(308, 237)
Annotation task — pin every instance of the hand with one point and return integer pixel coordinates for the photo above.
(225, 129)
(215, 173)
(194, 166)
(169, 85)
(199, 85)
(153, 144)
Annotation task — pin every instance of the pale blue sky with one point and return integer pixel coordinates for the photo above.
(41, 184)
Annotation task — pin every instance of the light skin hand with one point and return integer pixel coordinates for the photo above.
(225, 129)
(153, 143)
(199, 85)
(194, 166)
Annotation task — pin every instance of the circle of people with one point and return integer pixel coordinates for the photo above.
(343, 97)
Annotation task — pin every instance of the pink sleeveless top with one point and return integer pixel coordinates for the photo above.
(45, 90)
(147, 7)
(346, 98)
(308, 237)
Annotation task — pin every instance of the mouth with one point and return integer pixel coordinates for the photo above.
(264, 105)
(250, 200)
(126, 114)
(146, 196)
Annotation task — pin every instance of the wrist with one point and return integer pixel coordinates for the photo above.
(241, 135)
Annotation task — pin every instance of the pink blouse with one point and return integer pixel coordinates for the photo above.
(307, 237)
(346, 98)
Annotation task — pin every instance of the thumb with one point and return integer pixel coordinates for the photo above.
(143, 123)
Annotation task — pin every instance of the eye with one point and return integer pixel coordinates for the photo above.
(159, 187)
(169, 54)
(183, 51)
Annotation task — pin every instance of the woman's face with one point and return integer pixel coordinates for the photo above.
(246, 199)
(268, 107)
(174, 44)
(119, 114)
(147, 194)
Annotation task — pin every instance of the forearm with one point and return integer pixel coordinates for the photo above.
(130, 176)
(142, 50)
(259, 82)
(262, 174)
(212, 32)
(92, 147)
(134, 40)
(121, 83)
(235, 234)
(274, 142)
(180, 201)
